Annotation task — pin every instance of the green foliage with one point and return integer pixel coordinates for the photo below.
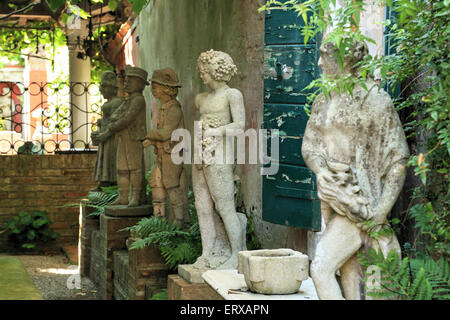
(177, 245)
(138, 5)
(15, 41)
(419, 66)
(161, 295)
(316, 15)
(408, 279)
(100, 199)
(29, 229)
(433, 227)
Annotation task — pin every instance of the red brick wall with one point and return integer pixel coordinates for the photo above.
(45, 182)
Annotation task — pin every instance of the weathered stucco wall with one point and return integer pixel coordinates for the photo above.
(172, 33)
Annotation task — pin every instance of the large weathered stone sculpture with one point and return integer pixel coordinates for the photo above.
(222, 228)
(105, 171)
(167, 178)
(128, 123)
(357, 149)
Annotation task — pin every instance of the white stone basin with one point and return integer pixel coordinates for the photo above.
(273, 271)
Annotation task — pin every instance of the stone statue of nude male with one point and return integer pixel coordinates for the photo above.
(222, 228)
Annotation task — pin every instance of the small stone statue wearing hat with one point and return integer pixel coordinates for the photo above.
(105, 171)
(167, 178)
(128, 124)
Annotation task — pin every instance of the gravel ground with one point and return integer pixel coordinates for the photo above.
(52, 274)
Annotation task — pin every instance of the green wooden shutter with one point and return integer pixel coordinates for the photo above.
(290, 196)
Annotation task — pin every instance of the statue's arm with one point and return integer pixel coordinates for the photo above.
(135, 106)
(237, 110)
(393, 185)
(311, 145)
(171, 123)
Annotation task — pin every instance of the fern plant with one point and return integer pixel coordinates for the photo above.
(100, 199)
(407, 279)
(177, 245)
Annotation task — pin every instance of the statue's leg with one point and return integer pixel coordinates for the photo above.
(221, 185)
(205, 211)
(352, 279)
(178, 201)
(123, 181)
(340, 241)
(136, 187)
(158, 193)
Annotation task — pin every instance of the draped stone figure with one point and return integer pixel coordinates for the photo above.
(105, 171)
(222, 228)
(357, 148)
(167, 178)
(128, 124)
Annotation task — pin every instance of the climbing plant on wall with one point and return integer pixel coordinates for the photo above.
(16, 42)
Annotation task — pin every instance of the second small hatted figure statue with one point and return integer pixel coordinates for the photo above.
(167, 178)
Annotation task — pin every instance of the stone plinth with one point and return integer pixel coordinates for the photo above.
(125, 211)
(190, 274)
(147, 272)
(88, 224)
(104, 242)
(230, 285)
(138, 273)
(180, 289)
(120, 279)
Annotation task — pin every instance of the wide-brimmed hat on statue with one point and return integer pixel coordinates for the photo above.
(136, 72)
(167, 77)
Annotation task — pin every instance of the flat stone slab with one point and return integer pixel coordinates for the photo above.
(126, 211)
(191, 274)
(231, 285)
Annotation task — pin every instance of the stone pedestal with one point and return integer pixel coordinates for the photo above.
(88, 224)
(139, 273)
(180, 289)
(231, 285)
(125, 211)
(104, 242)
(147, 272)
(190, 274)
(189, 285)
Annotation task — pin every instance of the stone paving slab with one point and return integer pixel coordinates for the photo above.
(15, 282)
(231, 286)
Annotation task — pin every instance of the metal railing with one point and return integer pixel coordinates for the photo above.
(45, 118)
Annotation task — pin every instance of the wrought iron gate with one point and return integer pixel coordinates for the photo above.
(44, 118)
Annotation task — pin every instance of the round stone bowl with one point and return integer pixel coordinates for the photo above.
(273, 271)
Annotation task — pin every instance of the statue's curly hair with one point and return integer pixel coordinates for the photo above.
(222, 67)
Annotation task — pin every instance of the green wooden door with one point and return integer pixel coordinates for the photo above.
(290, 196)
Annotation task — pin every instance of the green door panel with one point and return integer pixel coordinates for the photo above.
(287, 71)
(290, 206)
(290, 195)
(291, 120)
(295, 177)
(284, 27)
